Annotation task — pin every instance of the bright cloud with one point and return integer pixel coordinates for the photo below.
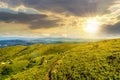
(19, 8)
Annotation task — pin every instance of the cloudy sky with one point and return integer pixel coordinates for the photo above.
(60, 18)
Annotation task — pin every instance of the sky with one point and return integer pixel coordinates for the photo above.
(60, 18)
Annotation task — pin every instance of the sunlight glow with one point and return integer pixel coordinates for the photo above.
(92, 26)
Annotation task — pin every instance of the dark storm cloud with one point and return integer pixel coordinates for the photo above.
(76, 7)
(113, 29)
(35, 20)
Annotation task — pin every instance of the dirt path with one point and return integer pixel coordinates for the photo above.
(50, 70)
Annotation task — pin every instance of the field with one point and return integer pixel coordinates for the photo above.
(66, 61)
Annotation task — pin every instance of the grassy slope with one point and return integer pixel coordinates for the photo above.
(91, 61)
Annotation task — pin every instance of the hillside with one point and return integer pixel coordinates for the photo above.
(88, 61)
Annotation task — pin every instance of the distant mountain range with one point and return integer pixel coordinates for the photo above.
(5, 43)
(26, 42)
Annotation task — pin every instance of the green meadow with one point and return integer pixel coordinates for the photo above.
(66, 61)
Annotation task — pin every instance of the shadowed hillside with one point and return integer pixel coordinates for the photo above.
(89, 61)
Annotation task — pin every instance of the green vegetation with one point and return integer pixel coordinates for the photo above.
(89, 61)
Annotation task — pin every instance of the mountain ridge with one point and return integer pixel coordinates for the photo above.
(27, 41)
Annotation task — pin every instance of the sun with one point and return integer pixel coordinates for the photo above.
(92, 26)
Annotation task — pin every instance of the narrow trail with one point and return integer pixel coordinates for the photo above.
(48, 77)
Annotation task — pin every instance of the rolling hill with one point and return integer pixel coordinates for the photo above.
(66, 61)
